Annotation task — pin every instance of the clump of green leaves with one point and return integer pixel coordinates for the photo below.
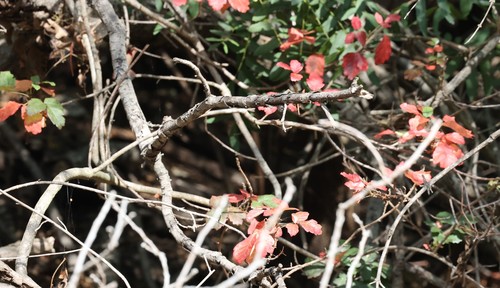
(447, 229)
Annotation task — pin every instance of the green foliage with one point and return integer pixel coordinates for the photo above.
(446, 229)
(7, 81)
(364, 274)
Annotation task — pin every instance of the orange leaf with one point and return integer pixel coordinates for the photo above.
(23, 85)
(312, 226)
(179, 2)
(418, 177)
(292, 229)
(449, 122)
(315, 82)
(34, 123)
(9, 109)
(446, 154)
(383, 133)
(241, 6)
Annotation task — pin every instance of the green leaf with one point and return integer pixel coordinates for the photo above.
(55, 112)
(157, 29)
(466, 7)
(472, 85)
(158, 5)
(314, 270)
(341, 280)
(259, 26)
(427, 111)
(267, 200)
(210, 120)
(35, 106)
(421, 12)
(234, 139)
(7, 81)
(453, 239)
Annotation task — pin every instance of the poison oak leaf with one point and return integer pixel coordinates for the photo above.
(383, 133)
(292, 107)
(449, 122)
(179, 2)
(311, 226)
(446, 154)
(247, 249)
(217, 5)
(355, 182)
(292, 228)
(268, 110)
(315, 82)
(295, 66)
(454, 137)
(383, 50)
(296, 36)
(409, 108)
(315, 64)
(241, 6)
(33, 123)
(300, 216)
(9, 109)
(353, 64)
(419, 177)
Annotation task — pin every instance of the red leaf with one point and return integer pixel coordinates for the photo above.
(9, 109)
(292, 107)
(356, 23)
(379, 19)
(296, 66)
(454, 137)
(294, 77)
(417, 125)
(315, 82)
(350, 37)
(446, 154)
(284, 66)
(315, 64)
(179, 2)
(311, 226)
(383, 133)
(353, 63)
(299, 216)
(383, 50)
(217, 4)
(243, 249)
(246, 249)
(387, 22)
(409, 108)
(292, 229)
(356, 183)
(361, 36)
(449, 122)
(240, 5)
(296, 36)
(418, 177)
(268, 110)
